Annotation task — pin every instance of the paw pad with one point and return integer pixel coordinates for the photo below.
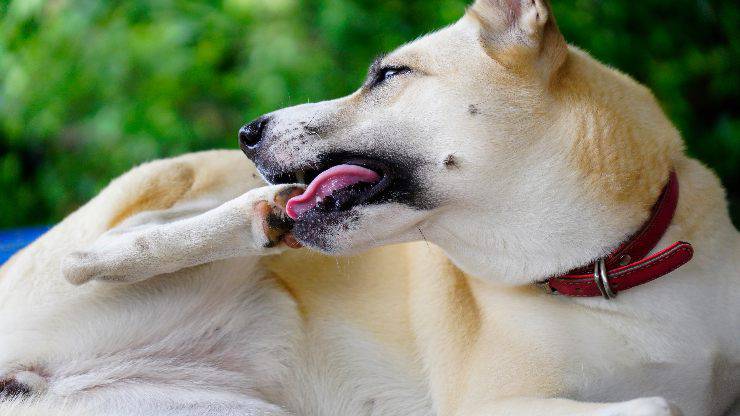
(276, 224)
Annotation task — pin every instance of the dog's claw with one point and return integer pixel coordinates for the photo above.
(276, 224)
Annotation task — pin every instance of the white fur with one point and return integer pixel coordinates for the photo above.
(220, 335)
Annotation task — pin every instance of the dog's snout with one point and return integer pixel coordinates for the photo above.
(251, 134)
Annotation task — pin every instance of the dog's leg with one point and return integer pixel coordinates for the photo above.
(252, 224)
(649, 406)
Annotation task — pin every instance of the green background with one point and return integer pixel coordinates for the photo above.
(89, 88)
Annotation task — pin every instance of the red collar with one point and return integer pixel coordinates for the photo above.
(627, 266)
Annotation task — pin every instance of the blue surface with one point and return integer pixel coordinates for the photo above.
(14, 240)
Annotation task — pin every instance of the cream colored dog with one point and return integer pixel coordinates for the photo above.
(518, 156)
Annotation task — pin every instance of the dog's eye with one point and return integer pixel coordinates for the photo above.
(389, 72)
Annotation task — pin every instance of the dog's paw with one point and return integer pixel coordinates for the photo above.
(21, 383)
(78, 267)
(273, 222)
(82, 266)
(649, 406)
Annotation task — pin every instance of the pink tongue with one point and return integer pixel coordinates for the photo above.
(327, 182)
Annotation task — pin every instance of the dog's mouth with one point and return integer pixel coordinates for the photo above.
(337, 187)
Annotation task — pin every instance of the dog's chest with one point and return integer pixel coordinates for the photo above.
(342, 370)
(355, 355)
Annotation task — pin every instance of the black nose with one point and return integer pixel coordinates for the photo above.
(251, 134)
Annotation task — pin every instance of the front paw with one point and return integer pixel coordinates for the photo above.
(271, 219)
(649, 406)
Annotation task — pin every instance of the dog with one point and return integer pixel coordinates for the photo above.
(473, 165)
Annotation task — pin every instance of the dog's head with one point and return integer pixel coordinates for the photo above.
(474, 137)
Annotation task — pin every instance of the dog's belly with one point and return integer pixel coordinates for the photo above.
(222, 329)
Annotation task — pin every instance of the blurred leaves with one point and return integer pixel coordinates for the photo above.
(90, 87)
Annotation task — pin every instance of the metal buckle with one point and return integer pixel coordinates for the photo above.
(602, 281)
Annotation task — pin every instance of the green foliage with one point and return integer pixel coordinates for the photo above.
(90, 87)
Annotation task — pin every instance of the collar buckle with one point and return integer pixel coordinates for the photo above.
(601, 278)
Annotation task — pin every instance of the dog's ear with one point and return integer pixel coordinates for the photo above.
(520, 34)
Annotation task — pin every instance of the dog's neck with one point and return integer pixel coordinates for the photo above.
(551, 236)
(631, 264)
(533, 236)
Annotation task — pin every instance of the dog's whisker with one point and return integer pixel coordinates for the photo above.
(423, 236)
(375, 242)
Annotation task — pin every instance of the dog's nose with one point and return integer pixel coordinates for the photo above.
(251, 134)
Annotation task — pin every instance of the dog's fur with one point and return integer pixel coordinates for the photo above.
(521, 158)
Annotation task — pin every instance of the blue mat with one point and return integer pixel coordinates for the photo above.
(14, 240)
